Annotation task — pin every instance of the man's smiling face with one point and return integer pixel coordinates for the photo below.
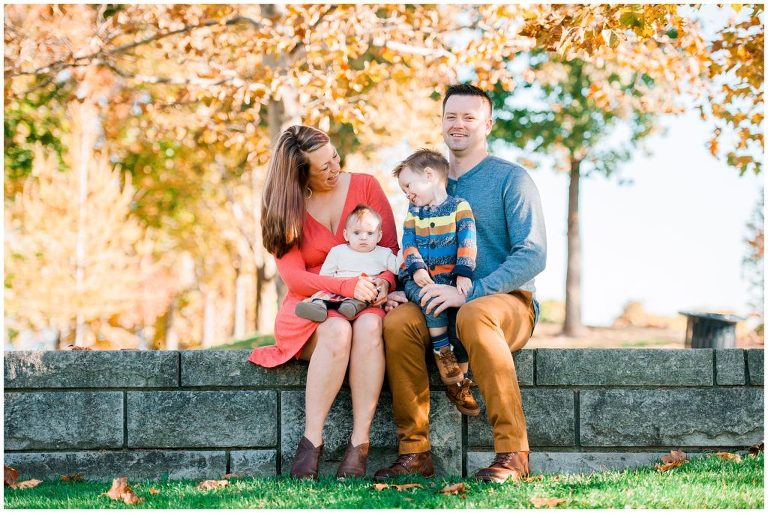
(466, 123)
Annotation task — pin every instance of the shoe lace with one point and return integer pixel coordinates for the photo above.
(448, 357)
(404, 460)
(503, 459)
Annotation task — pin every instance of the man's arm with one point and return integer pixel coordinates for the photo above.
(525, 226)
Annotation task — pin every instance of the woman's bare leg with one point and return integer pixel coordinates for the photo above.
(328, 353)
(366, 373)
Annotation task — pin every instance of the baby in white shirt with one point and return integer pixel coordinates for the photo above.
(360, 256)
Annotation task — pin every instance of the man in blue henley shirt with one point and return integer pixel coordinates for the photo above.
(498, 314)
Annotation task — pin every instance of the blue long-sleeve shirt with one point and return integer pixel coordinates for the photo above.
(511, 237)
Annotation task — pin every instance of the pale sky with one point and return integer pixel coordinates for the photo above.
(674, 239)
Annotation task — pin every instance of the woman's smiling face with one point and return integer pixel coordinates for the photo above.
(324, 168)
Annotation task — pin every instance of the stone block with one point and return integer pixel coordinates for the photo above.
(231, 368)
(755, 362)
(202, 419)
(671, 418)
(729, 366)
(90, 369)
(253, 463)
(572, 462)
(524, 362)
(63, 420)
(549, 416)
(624, 367)
(445, 432)
(106, 465)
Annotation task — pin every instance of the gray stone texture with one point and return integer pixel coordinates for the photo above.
(253, 463)
(755, 362)
(231, 368)
(572, 462)
(624, 367)
(63, 420)
(106, 465)
(729, 366)
(445, 432)
(549, 417)
(202, 419)
(524, 362)
(90, 369)
(682, 417)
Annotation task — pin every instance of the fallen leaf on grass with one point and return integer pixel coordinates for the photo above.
(10, 475)
(31, 483)
(530, 479)
(230, 476)
(153, 491)
(453, 489)
(674, 456)
(756, 449)
(545, 501)
(130, 498)
(728, 456)
(212, 484)
(383, 486)
(119, 485)
(72, 477)
(668, 466)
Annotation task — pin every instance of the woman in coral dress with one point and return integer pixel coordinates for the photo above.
(305, 204)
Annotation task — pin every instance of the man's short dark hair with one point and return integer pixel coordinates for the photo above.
(467, 90)
(422, 159)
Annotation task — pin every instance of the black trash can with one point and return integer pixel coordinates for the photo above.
(711, 330)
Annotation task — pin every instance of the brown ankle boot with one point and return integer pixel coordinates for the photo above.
(354, 462)
(461, 396)
(416, 463)
(450, 372)
(505, 466)
(306, 460)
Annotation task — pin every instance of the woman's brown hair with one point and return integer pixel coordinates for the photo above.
(282, 204)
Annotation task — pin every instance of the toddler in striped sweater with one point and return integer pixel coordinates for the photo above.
(439, 246)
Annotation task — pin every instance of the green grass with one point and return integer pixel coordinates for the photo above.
(249, 342)
(705, 482)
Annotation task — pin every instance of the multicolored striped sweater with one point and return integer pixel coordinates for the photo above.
(440, 239)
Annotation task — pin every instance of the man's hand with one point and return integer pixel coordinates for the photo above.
(394, 300)
(442, 296)
(382, 286)
(463, 284)
(422, 278)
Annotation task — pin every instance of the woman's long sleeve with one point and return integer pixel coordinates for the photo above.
(294, 273)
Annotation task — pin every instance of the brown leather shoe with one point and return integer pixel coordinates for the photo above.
(461, 396)
(354, 462)
(505, 466)
(415, 463)
(307, 460)
(447, 366)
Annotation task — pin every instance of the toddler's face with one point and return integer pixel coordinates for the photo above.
(363, 234)
(418, 187)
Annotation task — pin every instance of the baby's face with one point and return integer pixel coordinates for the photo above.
(363, 234)
(418, 187)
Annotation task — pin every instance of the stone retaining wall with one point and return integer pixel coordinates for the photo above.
(201, 414)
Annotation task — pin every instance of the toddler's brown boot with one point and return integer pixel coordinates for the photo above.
(450, 372)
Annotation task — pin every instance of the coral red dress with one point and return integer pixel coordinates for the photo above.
(300, 266)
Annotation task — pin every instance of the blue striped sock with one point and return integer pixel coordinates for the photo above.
(440, 342)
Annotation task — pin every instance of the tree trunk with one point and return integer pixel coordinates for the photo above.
(171, 337)
(238, 329)
(572, 326)
(209, 317)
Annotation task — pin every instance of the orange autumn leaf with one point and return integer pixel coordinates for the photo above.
(10, 475)
(537, 477)
(31, 483)
(380, 486)
(212, 484)
(729, 456)
(153, 491)
(674, 456)
(667, 466)
(756, 449)
(119, 487)
(549, 502)
(453, 489)
(72, 477)
(130, 498)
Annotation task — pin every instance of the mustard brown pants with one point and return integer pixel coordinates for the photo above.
(491, 328)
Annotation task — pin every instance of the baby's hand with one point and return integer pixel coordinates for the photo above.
(463, 284)
(422, 278)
